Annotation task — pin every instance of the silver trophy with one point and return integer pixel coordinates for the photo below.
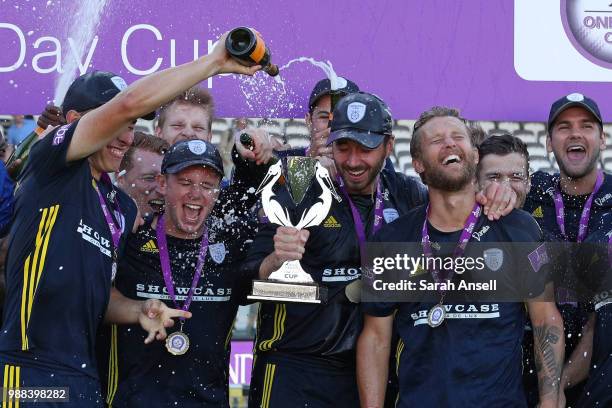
(290, 283)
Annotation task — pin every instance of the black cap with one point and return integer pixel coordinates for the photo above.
(94, 89)
(323, 87)
(362, 117)
(189, 153)
(569, 101)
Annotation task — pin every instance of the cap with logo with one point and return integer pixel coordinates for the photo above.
(323, 87)
(189, 153)
(362, 117)
(572, 100)
(94, 89)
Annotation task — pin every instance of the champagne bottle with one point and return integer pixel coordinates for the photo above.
(22, 151)
(248, 47)
(247, 141)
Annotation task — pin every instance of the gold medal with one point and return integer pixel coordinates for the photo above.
(436, 315)
(177, 343)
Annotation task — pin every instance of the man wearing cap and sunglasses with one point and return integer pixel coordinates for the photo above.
(569, 206)
(189, 258)
(68, 228)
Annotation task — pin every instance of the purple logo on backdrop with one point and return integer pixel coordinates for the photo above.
(588, 25)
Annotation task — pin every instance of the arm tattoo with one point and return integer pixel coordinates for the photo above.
(548, 367)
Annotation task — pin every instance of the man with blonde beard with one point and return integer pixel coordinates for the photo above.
(457, 351)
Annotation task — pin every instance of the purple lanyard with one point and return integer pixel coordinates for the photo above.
(466, 234)
(164, 259)
(586, 211)
(115, 229)
(610, 249)
(359, 226)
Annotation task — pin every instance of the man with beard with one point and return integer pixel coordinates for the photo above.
(305, 354)
(460, 351)
(190, 260)
(68, 229)
(567, 206)
(138, 172)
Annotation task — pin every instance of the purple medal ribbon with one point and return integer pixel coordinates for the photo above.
(115, 229)
(164, 259)
(359, 226)
(586, 211)
(464, 238)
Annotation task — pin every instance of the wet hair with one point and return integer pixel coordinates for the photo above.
(435, 112)
(145, 142)
(194, 96)
(503, 145)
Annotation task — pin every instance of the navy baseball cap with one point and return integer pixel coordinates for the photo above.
(94, 89)
(189, 153)
(362, 117)
(569, 101)
(323, 87)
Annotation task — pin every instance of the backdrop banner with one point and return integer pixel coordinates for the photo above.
(493, 59)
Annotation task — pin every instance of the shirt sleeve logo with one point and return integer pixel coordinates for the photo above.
(59, 136)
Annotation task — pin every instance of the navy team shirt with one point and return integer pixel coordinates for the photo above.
(474, 358)
(598, 388)
(148, 375)
(541, 205)
(58, 269)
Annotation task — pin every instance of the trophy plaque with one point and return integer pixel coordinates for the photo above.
(290, 283)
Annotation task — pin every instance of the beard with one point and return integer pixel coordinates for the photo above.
(580, 172)
(441, 180)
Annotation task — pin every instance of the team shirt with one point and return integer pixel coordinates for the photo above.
(58, 270)
(474, 357)
(598, 266)
(148, 374)
(541, 205)
(326, 332)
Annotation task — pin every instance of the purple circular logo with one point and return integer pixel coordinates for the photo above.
(588, 25)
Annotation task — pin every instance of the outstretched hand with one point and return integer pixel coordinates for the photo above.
(155, 317)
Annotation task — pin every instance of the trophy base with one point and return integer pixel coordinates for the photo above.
(279, 291)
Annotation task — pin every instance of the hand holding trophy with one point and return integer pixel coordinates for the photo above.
(290, 283)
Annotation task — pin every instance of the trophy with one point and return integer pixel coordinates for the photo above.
(290, 283)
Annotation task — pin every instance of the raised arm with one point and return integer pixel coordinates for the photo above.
(99, 127)
(373, 348)
(576, 369)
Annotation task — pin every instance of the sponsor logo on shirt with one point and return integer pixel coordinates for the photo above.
(331, 222)
(479, 311)
(600, 201)
(93, 237)
(480, 233)
(340, 274)
(149, 247)
(537, 213)
(200, 293)
(60, 135)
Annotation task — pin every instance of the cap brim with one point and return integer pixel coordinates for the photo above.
(572, 104)
(175, 168)
(368, 139)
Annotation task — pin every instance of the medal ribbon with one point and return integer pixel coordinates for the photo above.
(115, 229)
(164, 259)
(464, 238)
(359, 226)
(586, 211)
